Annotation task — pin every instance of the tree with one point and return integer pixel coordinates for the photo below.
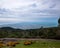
(59, 22)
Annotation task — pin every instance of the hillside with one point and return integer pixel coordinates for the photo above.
(48, 33)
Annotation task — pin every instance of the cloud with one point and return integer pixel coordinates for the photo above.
(14, 11)
(11, 4)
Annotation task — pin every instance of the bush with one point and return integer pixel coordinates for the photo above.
(16, 42)
(1, 42)
(27, 43)
(11, 44)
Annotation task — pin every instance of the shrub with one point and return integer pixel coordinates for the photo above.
(1, 42)
(2, 45)
(11, 44)
(27, 43)
(16, 42)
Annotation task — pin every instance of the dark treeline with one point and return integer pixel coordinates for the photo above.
(46, 33)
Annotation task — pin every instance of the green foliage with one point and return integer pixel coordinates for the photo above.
(50, 33)
(59, 22)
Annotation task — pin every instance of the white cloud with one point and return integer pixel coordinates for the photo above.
(28, 10)
(41, 4)
(11, 4)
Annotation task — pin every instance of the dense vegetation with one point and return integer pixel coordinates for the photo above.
(50, 33)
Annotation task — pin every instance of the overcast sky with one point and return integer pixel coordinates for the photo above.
(17, 11)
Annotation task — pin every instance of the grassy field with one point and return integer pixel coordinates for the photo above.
(39, 44)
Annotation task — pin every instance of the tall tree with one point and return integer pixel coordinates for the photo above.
(59, 22)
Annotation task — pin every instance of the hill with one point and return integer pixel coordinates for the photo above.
(47, 33)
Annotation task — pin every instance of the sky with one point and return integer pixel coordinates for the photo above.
(45, 12)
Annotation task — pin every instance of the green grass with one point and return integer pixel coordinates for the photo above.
(39, 44)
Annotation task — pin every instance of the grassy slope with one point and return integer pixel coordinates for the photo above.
(40, 44)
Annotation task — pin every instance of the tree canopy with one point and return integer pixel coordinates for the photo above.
(59, 20)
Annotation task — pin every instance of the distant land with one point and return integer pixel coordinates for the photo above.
(30, 25)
